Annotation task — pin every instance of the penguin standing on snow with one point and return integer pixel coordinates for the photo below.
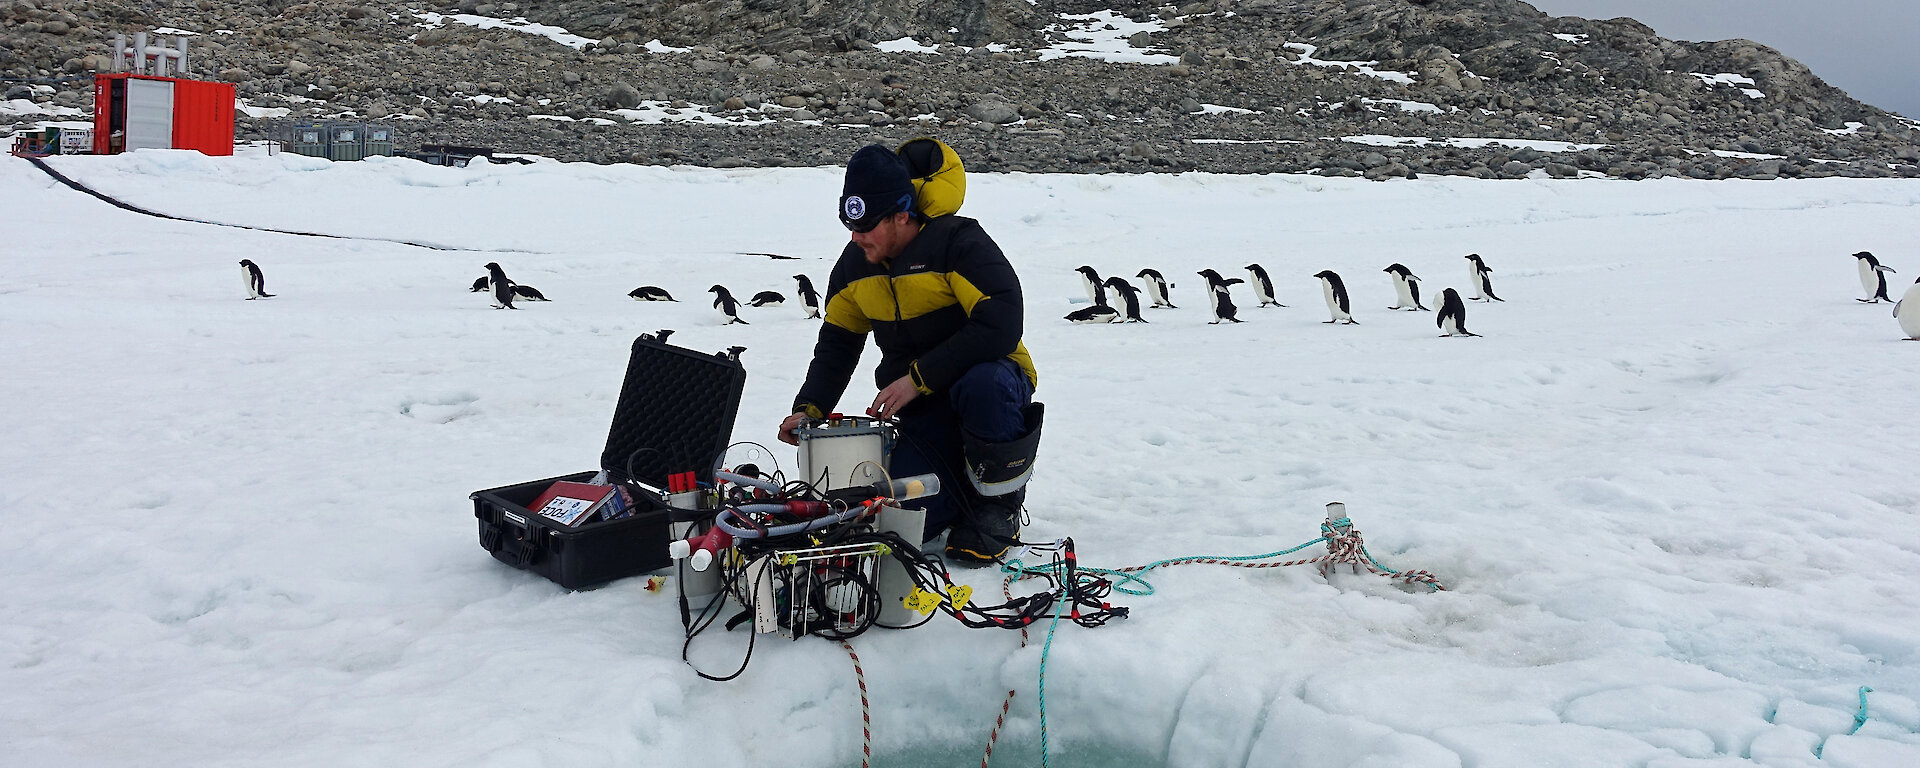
(650, 293)
(1220, 296)
(1907, 311)
(1262, 285)
(256, 282)
(500, 287)
(767, 299)
(1128, 299)
(1336, 293)
(1156, 287)
(723, 301)
(809, 297)
(1873, 278)
(1406, 288)
(1452, 319)
(1096, 290)
(1477, 272)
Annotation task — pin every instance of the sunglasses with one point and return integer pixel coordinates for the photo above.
(860, 228)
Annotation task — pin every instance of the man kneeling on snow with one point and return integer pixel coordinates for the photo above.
(943, 305)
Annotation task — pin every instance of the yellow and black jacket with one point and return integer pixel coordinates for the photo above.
(948, 302)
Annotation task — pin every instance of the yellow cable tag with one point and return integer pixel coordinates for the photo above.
(921, 601)
(959, 594)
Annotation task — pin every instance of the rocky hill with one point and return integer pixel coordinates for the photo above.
(1381, 88)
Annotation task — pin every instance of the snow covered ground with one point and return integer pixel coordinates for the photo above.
(1670, 490)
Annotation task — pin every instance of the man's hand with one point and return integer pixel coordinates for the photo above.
(888, 403)
(788, 433)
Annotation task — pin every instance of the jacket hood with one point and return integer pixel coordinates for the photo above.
(939, 178)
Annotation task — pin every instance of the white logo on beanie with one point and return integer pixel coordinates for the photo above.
(854, 208)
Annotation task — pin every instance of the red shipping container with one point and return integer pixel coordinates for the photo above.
(142, 111)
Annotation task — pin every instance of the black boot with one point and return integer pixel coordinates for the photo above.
(999, 473)
(997, 469)
(985, 531)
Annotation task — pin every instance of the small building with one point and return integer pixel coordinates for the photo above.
(132, 111)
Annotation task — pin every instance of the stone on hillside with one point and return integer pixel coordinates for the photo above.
(622, 96)
(994, 112)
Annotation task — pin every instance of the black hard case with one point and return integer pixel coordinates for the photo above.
(675, 414)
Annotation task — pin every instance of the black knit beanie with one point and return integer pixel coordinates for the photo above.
(877, 186)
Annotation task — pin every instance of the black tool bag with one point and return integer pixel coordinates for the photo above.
(675, 415)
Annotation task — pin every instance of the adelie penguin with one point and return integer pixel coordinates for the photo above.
(500, 287)
(767, 299)
(479, 285)
(1907, 311)
(1127, 299)
(1335, 292)
(1262, 285)
(723, 301)
(1220, 297)
(650, 293)
(1477, 273)
(1098, 313)
(809, 297)
(1406, 288)
(1096, 289)
(1873, 278)
(256, 282)
(1452, 319)
(529, 293)
(1157, 287)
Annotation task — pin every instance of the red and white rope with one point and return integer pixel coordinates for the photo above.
(1006, 589)
(866, 712)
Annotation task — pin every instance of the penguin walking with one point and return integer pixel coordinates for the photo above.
(256, 282)
(1477, 273)
(529, 293)
(1221, 298)
(1406, 289)
(1098, 313)
(1128, 299)
(1907, 311)
(1452, 319)
(1096, 290)
(1873, 278)
(479, 285)
(809, 297)
(1262, 285)
(1156, 288)
(500, 287)
(767, 299)
(723, 301)
(650, 293)
(1336, 294)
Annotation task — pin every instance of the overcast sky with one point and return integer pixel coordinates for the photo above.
(1864, 47)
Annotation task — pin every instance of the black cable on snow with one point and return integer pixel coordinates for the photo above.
(110, 200)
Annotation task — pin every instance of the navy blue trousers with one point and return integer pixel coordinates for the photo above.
(987, 401)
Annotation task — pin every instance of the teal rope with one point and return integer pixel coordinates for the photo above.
(1058, 608)
(1380, 565)
(1860, 718)
(1123, 576)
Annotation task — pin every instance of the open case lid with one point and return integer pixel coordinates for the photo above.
(675, 413)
